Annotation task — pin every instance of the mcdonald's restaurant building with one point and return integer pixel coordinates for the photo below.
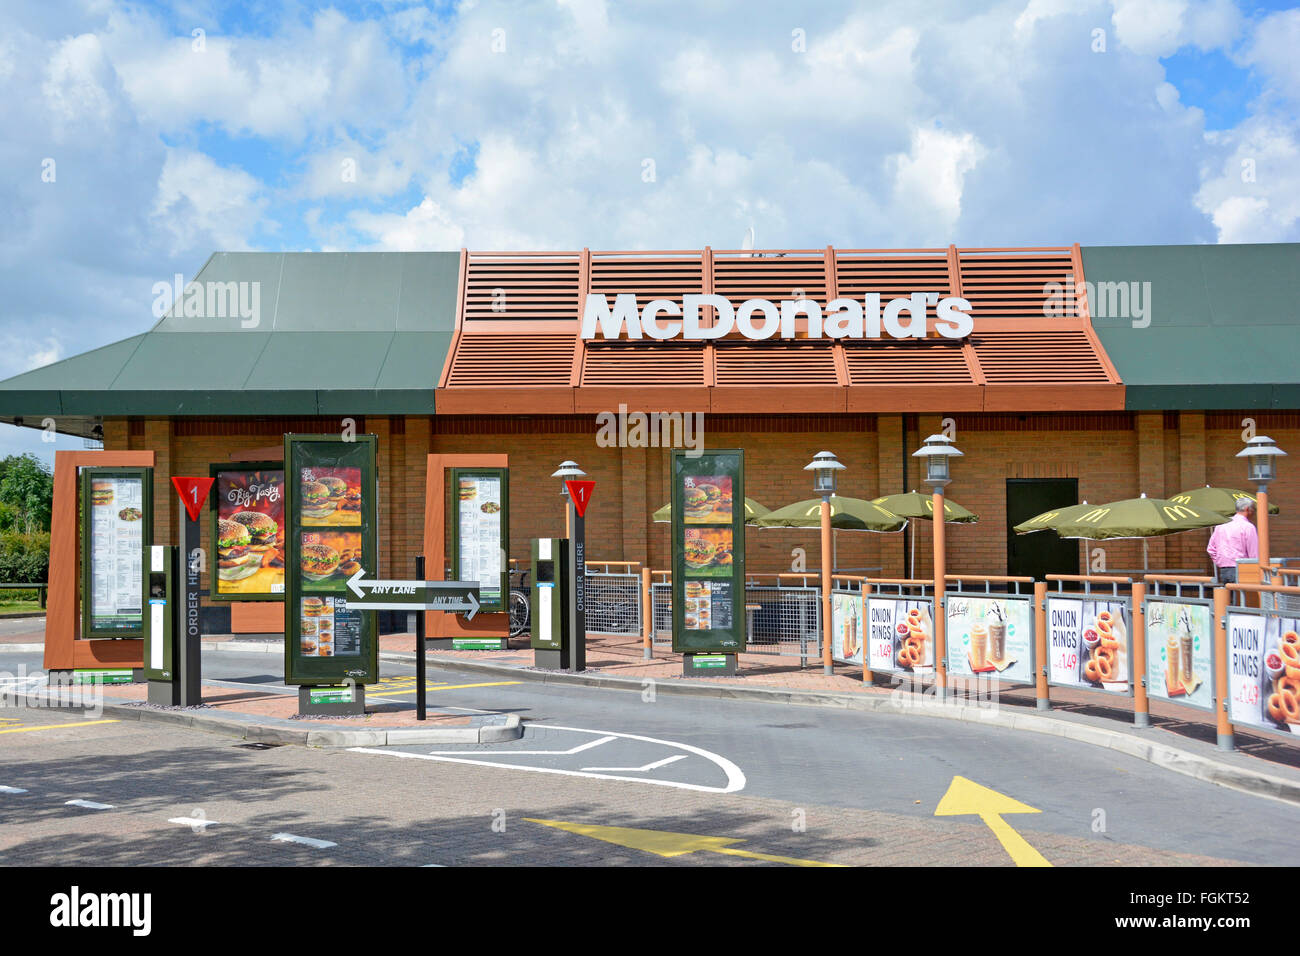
(1065, 374)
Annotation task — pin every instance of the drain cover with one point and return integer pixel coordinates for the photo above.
(258, 746)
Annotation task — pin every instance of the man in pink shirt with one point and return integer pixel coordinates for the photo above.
(1233, 540)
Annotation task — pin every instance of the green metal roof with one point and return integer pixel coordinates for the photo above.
(368, 333)
(1224, 326)
(335, 332)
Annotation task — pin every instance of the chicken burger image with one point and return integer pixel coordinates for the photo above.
(101, 492)
(262, 528)
(316, 500)
(319, 562)
(235, 560)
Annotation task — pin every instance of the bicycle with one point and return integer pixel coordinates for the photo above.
(520, 609)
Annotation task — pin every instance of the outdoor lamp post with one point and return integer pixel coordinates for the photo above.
(936, 451)
(567, 471)
(824, 466)
(1262, 453)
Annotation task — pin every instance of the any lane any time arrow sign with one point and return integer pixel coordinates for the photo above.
(413, 595)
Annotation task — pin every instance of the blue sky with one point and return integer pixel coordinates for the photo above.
(532, 124)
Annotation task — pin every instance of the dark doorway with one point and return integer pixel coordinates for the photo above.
(1042, 552)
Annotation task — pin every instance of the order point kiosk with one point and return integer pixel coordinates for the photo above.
(550, 618)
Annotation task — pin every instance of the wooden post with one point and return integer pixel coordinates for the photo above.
(1041, 661)
(828, 667)
(647, 613)
(1261, 523)
(867, 676)
(1221, 668)
(940, 616)
(1138, 644)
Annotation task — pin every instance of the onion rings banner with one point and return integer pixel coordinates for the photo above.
(1264, 671)
(993, 637)
(1087, 643)
(900, 634)
(708, 536)
(329, 507)
(847, 617)
(1180, 653)
(247, 533)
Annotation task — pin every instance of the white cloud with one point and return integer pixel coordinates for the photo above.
(1255, 194)
(1161, 27)
(1273, 50)
(928, 180)
(198, 200)
(426, 227)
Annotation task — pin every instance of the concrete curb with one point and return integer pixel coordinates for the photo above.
(20, 614)
(20, 648)
(248, 729)
(1155, 752)
(245, 647)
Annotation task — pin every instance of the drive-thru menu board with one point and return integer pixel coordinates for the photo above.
(480, 532)
(330, 532)
(708, 552)
(1263, 657)
(248, 531)
(116, 524)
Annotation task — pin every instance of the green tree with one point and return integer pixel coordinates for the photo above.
(27, 487)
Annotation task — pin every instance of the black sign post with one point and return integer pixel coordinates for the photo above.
(189, 667)
(415, 596)
(577, 590)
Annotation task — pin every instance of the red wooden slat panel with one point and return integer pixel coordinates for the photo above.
(777, 363)
(912, 364)
(545, 359)
(643, 364)
(1038, 358)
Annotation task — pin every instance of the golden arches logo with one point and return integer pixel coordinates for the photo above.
(1182, 499)
(1179, 511)
(1044, 517)
(1094, 516)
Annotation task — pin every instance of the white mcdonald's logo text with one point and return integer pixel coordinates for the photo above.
(902, 318)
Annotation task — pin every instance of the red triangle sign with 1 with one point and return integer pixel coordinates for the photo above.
(193, 492)
(581, 494)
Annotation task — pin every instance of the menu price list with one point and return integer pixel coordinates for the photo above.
(329, 628)
(479, 538)
(116, 545)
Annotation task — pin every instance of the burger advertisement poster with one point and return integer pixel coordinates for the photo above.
(248, 532)
(708, 553)
(115, 527)
(330, 533)
(1264, 671)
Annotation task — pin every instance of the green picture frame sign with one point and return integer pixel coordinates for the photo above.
(115, 493)
(708, 541)
(331, 499)
(467, 513)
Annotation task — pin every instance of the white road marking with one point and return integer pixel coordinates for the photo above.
(12, 790)
(650, 766)
(89, 805)
(735, 776)
(192, 821)
(535, 753)
(305, 841)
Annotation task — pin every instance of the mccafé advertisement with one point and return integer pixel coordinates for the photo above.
(1264, 671)
(329, 524)
(847, 619)
(708, 533)
(116, 523)
(247, 503)
(1087, 643)
(900, 634)
(991, 637)
(1180, 653)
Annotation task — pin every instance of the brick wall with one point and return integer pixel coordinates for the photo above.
(1115, 455)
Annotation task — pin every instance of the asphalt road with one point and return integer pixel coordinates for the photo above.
(866, 786)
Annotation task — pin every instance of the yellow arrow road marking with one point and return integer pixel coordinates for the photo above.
(668, 844)
(429, 687)
(79, 723)
(968, 798)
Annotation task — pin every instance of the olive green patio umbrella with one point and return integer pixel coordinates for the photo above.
(917, 505)
(752, 510)
(847, 514)
(1048, 519)
(1220, 500)
(1135, 518)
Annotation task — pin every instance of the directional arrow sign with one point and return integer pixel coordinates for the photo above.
(413, 595)
(966, 797)
(668, 844)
